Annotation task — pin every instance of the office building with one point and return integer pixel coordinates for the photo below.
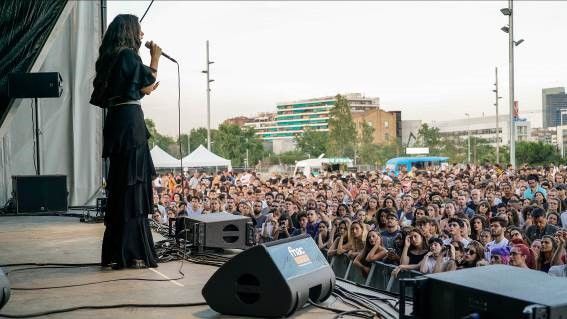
(293, 117)
(483, 127)
(554, 101)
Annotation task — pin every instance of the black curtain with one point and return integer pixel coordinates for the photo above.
(25, 26)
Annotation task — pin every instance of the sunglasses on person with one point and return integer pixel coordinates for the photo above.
(470, 251)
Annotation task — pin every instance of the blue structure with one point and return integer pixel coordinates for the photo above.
(395, 164)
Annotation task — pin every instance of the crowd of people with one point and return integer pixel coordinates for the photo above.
(430, 220)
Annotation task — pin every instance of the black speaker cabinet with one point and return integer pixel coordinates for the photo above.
(496, 291)
(40, 193)
(32, 85)
(271, 280)
(217, 230)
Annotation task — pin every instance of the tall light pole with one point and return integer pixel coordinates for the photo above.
(563, 112)
(469, 139)
(209, 80)
(497, 118)
(511, 43)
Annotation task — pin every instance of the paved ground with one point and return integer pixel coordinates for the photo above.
(66, 240)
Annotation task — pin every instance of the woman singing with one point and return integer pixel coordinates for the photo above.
(120, 83)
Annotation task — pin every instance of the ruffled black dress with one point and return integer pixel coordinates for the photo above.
(127, 237)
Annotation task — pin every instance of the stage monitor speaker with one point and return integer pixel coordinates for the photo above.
(35, 85)
(495, 291)
(271, 280)
(217, 230)
(40, 193)
(4, 289)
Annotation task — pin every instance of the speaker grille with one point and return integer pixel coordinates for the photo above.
(248, 289)
(230, 233)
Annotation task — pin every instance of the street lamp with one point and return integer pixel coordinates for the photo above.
(469, 139)
(511, 43)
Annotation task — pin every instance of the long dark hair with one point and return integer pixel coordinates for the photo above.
(122, 33)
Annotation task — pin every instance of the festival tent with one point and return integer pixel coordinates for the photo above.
(201, 157)
(162, 159)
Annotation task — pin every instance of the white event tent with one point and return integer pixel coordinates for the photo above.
(201, 157)
(162, 159)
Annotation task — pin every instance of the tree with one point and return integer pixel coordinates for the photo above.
(198, 136)
(163, 141)
(231, 142)
(312, 142)
(290, 157)
(342, 130)
(429, 137)
(367, 148)
(536, 153)
(383, 153)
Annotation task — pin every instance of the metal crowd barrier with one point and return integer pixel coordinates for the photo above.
(340, 265)
(379, 277)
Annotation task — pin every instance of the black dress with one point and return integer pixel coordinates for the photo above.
(127, 236)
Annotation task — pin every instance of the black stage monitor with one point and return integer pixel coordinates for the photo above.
(271, 280)
(40, 193)
(490, 292)
(216, 230)
(35, 85)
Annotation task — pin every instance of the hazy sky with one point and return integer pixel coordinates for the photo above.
(431, 60)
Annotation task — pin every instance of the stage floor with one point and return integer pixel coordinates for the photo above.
(44, 239)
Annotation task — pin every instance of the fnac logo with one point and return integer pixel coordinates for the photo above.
(299, 256)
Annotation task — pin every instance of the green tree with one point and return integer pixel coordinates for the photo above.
(163, 141)
(429, 137)
(368, 151)
(342, 130)
(184, 141)
(231, 142)
(384, 152)
(536, 153)
(312, 142)
(198, 136)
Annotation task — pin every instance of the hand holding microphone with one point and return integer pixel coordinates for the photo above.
(156, 52)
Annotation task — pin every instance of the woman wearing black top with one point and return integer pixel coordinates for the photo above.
(121, 81)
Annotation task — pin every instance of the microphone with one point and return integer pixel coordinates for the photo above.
(148, 45)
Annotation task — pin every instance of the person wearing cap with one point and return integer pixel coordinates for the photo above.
(392, 230)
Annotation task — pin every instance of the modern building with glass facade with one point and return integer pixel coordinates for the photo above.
(554, 103)
(294, 117)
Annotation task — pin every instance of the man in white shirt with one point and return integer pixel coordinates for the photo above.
(497, 227)
(455, 228)
(194, 181)
(195, 208)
